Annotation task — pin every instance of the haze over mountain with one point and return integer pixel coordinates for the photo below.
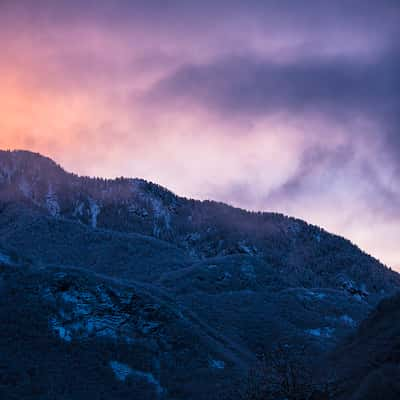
(114, 288)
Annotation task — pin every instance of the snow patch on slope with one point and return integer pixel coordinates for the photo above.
(100, 312)
(123, 371)
(162, 215)
(4, 259)
(324, 333)
(346, 319)
(52, 203)
(217, 364)
(94, 212)
(82, 319)
(62, 332)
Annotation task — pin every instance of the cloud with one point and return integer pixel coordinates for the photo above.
(290, 106)
(251, 85)
(322, 170)
(341, 90)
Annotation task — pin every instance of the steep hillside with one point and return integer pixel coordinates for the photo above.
(369, 361)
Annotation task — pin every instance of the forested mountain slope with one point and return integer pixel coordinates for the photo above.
(176, 297)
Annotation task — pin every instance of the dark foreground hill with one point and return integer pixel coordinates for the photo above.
(119, 288)
(370, 359)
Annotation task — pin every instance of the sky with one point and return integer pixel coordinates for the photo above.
(287, 106)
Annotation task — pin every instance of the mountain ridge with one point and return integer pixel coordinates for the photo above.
(201, 229)
(28, 157)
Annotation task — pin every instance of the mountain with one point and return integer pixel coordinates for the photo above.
(159, 295)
